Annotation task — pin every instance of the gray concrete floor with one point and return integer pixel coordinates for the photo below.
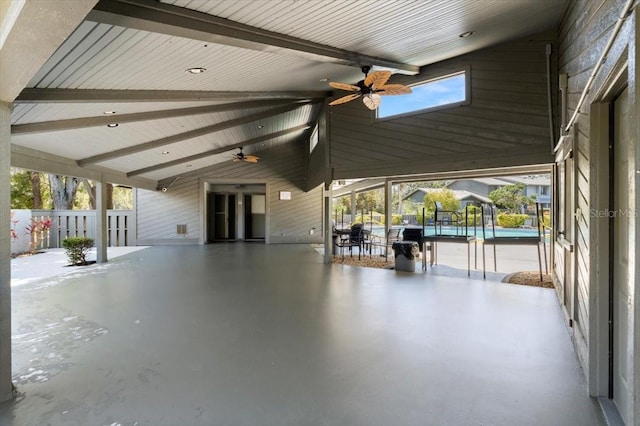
(249, 334)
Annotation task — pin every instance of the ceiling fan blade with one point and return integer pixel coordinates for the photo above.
(344, 86)
(345, 99)
(377, 78)
(372, 101)
(393, 89)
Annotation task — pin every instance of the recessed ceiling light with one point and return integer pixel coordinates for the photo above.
(466, 34)
(112, 125)
(109, 112)
(165, 152)
(324, 79)
(198, 70)
(260, 126)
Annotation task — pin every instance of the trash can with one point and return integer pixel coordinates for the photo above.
(405, 253)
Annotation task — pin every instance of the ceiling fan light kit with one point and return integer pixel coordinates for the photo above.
(371, 89)
(241, 156)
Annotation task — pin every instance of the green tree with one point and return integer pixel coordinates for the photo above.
(446, 197)
(368, 201)
(435, 184)
(21, 189)
(36, 188)
(511, 198)
(29, 190)
(342, 204)
(401, 190)
(63, 191)
(122, 198)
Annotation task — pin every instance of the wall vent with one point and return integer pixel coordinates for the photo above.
(182, 230)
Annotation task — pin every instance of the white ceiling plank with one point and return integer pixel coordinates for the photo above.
(205, 154)
(38, 30)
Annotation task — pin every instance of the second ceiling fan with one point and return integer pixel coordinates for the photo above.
(241, 156)
(371, 88)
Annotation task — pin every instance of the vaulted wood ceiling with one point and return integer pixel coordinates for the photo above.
(267, 65)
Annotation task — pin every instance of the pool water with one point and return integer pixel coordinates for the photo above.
(451, 230)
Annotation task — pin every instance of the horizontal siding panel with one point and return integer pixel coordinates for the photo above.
(316, 166)
(446, 163)
(285, 161)
(507, 115)
(597, 27)
(159, 213)
(291, 220)
(584, 33)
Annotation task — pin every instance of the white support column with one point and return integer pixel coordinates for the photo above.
(5, 253)
(328, 228)
(353, 207)
(388, 211)
(634, 81)
(101, 222)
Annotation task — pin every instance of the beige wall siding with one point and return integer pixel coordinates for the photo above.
(506, 123)
(159, 213)
(291, 220)
(584, 33)
(284, 161)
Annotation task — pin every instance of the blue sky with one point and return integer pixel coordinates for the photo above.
(434, 93)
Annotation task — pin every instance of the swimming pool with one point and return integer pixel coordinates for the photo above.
(451, 230)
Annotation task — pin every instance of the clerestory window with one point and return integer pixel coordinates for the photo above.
(442, 92)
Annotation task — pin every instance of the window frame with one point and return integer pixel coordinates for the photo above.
(314, 138)
(466, 71)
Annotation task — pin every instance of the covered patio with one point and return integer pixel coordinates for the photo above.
(188, 335)
(168, 96)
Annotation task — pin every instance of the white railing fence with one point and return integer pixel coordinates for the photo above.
(121, 228)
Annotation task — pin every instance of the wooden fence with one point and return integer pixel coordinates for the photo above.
(121, 226)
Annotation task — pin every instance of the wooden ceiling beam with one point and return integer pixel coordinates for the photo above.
(157, 17)
(188, 135)
(103, 120)
(36, 95)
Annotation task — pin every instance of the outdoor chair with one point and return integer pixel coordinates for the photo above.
(355, 238)
(385, 244)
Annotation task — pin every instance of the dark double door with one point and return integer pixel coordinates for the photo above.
(232, 216)
(221, 217)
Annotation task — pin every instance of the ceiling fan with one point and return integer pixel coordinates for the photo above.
(240, 156)
(371, 88)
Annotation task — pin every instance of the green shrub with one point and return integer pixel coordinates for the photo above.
(428, 217)
(77, 249)
(508, 220)
(474, 219)
(396, 219)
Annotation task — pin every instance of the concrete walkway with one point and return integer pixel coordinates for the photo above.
(258, 335)
(54, 263)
